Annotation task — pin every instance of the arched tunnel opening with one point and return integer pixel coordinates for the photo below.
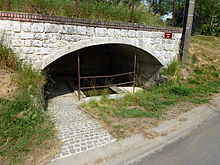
(96, 68)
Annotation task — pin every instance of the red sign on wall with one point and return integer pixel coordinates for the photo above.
(168, 35)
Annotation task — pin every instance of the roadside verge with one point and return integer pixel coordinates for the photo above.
(134, 148)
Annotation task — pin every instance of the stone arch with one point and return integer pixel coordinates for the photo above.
(99, 41)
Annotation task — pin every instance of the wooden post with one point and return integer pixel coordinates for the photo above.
(190, 4)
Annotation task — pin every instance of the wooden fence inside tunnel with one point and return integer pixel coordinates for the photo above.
(106, 60)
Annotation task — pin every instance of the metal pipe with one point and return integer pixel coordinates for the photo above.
(78, 59)
(108, 76)
(135, 59)
(103, 86)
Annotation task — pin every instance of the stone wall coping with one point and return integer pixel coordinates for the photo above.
(37, 18)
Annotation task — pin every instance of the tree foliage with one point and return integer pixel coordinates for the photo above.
(207, 12)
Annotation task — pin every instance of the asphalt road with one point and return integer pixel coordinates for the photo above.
(201, 147)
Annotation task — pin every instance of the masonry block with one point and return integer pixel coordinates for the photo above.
(17, 26)
(26, 26)
(26, 36)
(100, 32)
(90, 31)
(51, 28)
(131, 33)
(81, 30)
(38, 27)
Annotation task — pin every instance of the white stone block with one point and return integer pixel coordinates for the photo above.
(52, 28)
(41, 36)
(28, 50)
(16, 43)
(131, 33)
(157, 41)
(149, 40)
(167, 41)
(26, 26)
(114, 33)
(9, 35)
(81, 30)
(73, 38)
(2, 25)
(147, 34)
(177, 36)
(27, 43)
(55, 36)
(50, 45)
(22, 55)
(90, 31)
(17, 26)
(37, 43)
(26, 36)
(139, 34)
(124, 33)
(38, 27)
(101, 32)
(42, 51)
(157, 34)
(160, 47)
(67, 29)
(6, 25)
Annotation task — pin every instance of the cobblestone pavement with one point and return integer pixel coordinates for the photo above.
(77, 132)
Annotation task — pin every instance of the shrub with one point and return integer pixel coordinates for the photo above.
(210, 30)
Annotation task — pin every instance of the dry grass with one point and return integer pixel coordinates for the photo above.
(7, 86)
(42, 154)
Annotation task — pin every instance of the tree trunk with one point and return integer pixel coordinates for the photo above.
(7, 5)
(173, 15)
(132, 14)
(77, 8)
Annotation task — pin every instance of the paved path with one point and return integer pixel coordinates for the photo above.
(201, 147)
(77, 132)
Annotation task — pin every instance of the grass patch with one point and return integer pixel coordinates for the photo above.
(180, 90)
(187, 86)
(24, 124)
(135, 112)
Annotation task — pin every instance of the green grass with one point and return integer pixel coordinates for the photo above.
(91, 9)
(23, 122)
(201, 82)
